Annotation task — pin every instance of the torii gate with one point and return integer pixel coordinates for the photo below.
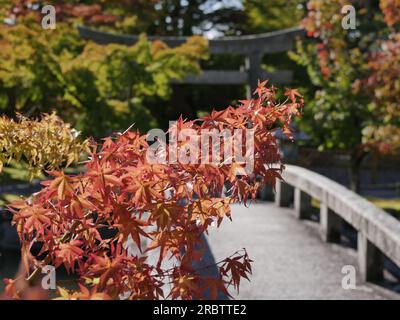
(253, 47)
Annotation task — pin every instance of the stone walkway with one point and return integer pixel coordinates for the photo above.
(290, 260)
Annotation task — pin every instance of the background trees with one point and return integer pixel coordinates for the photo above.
(352, 94)
(352, 107)
(264, 16)
(96, 88)
(383, 83)
(54, 88)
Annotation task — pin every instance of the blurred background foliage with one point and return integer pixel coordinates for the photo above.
(98, 89)
(350, 78)
(355, 73)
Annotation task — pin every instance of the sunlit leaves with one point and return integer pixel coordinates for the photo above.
(83, 294)
(44, 143)
(32, 218)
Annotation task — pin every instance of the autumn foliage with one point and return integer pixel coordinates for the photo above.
(391, 10)
(45, 143)
(97, 88)
(89, 13)
(362, 65)
(85, 222)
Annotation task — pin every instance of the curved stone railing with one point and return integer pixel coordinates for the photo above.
(378, 232)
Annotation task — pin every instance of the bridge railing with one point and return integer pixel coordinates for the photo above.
(378, 232)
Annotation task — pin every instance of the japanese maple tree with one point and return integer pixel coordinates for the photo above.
(170, 204)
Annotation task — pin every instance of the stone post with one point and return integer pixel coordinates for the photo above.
(254, 71)
(284, 194)
(302, 204)
(330, 224)
(266, 192)
(370, 259)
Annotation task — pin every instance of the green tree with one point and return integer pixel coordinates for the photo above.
(110, 86)
(264, 16)
(343, 111)
(98, 88)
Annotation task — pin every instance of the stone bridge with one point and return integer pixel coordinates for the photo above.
(299, 253)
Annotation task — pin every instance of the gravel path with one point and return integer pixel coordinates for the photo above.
(290, 260)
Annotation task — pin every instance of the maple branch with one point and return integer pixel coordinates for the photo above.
(170, 270)
(121, 180)
(65, 238)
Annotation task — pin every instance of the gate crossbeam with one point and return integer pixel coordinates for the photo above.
(253, 47)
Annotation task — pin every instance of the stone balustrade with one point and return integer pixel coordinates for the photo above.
(378, 232)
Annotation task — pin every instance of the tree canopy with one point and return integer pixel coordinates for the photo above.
(355, 73)
(96, 88)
